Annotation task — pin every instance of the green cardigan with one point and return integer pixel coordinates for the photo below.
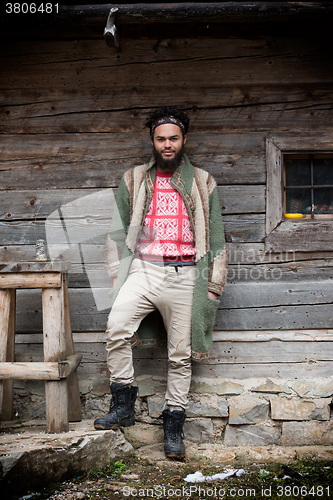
(199, 192)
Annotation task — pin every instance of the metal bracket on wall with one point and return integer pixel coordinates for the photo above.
(110, 31)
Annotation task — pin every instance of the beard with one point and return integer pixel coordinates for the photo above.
(169, 164)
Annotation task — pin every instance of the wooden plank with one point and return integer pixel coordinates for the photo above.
(248, 107)
(306, 236)
(276, 318)
(29, 371)
(54, 344)
(254, 253)
(25, 341)
(239, 253)
(77, 202)
(264, 294)
(60, 161)
(244, 228)
(238, 228)
(224, 62)
(8, 385)
(269, 335)
(30, 280)
(274, 207)
(5, 314)
(283, 276)
(294, 290)
(272, 352)
(158, 367)
(74, 404)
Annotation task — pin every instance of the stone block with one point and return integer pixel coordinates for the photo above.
(300, 409)
(228, 388)
(146, 385)
(323, 389)
(247, 410)
(270, 387)
(251, 435)
(307, 433)
(47, 458)
(207, 406)
(142, 434)
(199, 431)
(155, 405)
(202, 386)
(101, 386)
(303, 387)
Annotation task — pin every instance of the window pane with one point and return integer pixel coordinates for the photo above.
(323, 171)
(323, 201)
(298, 172)
(298, 201)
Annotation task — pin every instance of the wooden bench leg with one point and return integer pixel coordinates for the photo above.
(56, 393)
(7, 342)
(74, 403)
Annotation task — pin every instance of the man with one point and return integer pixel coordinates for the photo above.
(168, 234)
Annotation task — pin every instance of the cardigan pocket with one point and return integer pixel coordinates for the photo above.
(210, 312)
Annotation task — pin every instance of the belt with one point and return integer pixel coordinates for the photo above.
(163, 263)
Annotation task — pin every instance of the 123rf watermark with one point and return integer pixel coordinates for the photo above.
(204, 492)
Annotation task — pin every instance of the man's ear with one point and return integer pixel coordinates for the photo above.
(184, 139)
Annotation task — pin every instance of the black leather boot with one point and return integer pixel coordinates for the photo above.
(121, 412)
(173, 422)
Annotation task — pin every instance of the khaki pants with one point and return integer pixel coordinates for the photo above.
(149, 287)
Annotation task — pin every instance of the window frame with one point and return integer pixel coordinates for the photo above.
(304, 235)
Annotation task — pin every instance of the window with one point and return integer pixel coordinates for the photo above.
(299, 181)
(308, 186)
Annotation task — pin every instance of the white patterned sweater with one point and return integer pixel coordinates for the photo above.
(166, 231)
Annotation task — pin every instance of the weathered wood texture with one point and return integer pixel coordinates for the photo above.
(283, 354)
(72, 122)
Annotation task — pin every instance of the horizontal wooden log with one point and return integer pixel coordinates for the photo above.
(30, 280)
(223, 62)
(207, 11)
(276, 318)
(76, 161)
(243, 108)
(305, 236)
(29, 371)
(238, 228)
(239, 253)
(284, 360)
(36, 339)
(158, 367)
(85, 204)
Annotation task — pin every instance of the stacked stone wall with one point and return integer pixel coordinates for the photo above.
(249, 412)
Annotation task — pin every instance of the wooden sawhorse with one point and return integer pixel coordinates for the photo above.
(60, 363)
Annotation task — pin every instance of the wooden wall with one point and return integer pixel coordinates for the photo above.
(72, 122)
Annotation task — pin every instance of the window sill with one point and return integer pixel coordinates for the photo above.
(301, 235)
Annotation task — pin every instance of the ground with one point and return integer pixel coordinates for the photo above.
(146, 474)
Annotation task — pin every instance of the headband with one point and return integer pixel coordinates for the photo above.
(167, 119)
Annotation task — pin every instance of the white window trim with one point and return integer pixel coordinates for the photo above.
(287, 235)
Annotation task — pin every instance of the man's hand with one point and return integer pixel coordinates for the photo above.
(114, 282)
(213, 295)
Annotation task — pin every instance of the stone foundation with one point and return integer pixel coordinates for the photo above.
(250, 412)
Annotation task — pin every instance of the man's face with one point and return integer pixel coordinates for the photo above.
(168, 142)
